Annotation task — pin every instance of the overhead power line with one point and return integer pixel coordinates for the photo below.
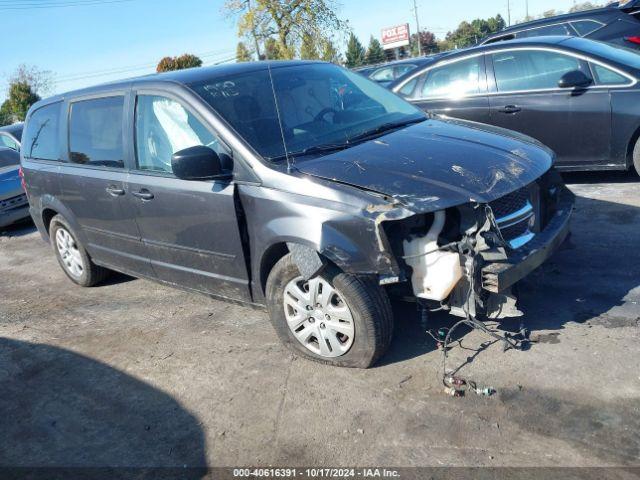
(133, 68)
(27, 5)
(138, 66)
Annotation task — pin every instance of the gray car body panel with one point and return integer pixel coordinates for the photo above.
(325, 204)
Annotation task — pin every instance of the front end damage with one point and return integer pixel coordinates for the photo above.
(466, 259)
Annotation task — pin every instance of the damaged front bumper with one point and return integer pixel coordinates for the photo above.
(499, 276)
(464, 260)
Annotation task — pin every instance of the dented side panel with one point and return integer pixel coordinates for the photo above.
(347, 235)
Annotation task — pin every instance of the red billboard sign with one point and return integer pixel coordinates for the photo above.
(397, 36)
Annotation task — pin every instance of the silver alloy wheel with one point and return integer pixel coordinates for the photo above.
(318, 316)
(69, 253)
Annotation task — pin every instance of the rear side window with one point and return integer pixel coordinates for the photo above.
(95, 132)
(585, 27)
(383, 75)
(499, 39)
(518, 70)
(402, 69)
(605, 76)
(41, 136)
(408, 88)
(557, 29)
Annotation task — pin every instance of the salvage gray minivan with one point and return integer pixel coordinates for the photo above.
(296, 185)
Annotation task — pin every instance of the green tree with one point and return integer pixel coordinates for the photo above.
(25, 86)
(5, 116)
(580, 7)
(242, 53)
(168, 64)
(308, 49)
(272, 49)
(286, 21)
(329, 52)
(468, 34)
(355, 52)
(40, 81)
(20, 98)
(375, 52)
(428, 41)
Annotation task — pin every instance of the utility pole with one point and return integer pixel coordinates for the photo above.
(508, 13)
(526, 6)
(415, 12)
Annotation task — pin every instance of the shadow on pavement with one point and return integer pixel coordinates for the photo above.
(62, 409)
(605, 176)
(18, 229)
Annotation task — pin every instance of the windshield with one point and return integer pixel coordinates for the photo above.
(306, 108)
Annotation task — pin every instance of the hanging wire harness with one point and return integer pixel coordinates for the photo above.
(454, 385)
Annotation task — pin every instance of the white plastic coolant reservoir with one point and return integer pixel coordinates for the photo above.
(436, 273)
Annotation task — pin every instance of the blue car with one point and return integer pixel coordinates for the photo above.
(13, 200)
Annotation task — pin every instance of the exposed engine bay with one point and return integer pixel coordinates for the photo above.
(466, 259)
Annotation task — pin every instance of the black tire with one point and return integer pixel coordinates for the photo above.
(369, 305)
(636, 156)
(92, 274)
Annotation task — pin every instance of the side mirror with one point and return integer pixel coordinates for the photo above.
(574, 79)
(197, 163)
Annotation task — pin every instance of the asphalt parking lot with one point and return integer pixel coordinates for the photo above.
(133, 373)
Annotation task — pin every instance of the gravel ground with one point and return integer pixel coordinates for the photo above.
(134, 373)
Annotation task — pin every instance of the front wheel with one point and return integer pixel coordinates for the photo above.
(334, 318)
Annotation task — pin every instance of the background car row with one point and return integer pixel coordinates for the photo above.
(13, 201)
(579, 97)
(616, 23)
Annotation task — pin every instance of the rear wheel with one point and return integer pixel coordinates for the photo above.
(72, 256)
(333, 318)
(636, 156)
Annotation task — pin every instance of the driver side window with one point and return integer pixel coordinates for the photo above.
(163, 127)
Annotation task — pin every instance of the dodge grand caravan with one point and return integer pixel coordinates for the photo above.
(299, 186)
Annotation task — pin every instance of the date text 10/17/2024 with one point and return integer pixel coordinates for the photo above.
(315, 473)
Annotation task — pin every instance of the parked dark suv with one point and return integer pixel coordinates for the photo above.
(616, 23)
(297, 185)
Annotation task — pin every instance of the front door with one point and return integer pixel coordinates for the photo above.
(189, 228)
(574, 123)
(455, 89)
(92, 183)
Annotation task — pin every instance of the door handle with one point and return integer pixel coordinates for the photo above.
(510, 109)
(144, 194)
(114, 191)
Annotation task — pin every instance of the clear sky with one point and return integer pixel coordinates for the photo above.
(105, 40)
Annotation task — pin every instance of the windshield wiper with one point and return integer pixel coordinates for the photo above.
(385, 127)
(331, 147)
(351, 141)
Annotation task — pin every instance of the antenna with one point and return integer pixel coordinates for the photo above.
(290, 161)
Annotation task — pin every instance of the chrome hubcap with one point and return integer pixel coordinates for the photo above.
(318, 316)
(69, 253)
